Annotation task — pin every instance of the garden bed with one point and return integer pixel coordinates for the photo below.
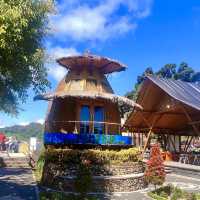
(109, 170)
(170, 192)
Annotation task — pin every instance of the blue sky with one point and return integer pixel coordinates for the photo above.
(139, 33)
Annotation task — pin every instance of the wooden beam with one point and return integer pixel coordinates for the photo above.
(145, 120)
(193, 123)
(160, 112)
(196, 130)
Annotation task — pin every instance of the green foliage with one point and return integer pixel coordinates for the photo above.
(24, 132)
(40, 166)
(23, 25)
(182, 72)
(178, 194)
(83, 181)
(156, 197)
(173, 193)
(161, 193)
(95, 156)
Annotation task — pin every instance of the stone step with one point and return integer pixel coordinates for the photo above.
(14, 160)
(184, 169)
(168, 170)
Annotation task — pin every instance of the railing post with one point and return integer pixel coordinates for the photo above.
(75, 129)
(106, 127)
(93, 127)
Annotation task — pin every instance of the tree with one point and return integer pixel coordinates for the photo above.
(155, 170)
(185, 73)
(133, 94)
(168, 71)
(23, 26)
(182, 72)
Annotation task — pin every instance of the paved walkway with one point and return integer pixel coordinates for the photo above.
(182, 166)
(17, 184)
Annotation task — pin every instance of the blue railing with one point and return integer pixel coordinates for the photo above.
(96, 139)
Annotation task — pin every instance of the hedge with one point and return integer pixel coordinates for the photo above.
(95, 156)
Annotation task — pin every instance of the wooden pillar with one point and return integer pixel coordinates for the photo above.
(147, 141)
(189, 144)
(179, 143)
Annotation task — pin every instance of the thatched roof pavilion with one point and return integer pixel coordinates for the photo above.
(84, 101)
(170, 107)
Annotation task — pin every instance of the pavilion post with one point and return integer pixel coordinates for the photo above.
(172, 142)
(150, 130)
(179, 138)
(147, 141)
(186, 143)
(189, 143)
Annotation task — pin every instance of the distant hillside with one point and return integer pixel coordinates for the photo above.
(24, 132)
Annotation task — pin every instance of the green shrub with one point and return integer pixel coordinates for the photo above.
(178, 194)
(172, 193)
(161, 193)
(40, 166)
(83, 181)
(156, 196)
(94, 155)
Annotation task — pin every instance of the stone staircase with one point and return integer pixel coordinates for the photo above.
(14, 160)
(183, 169)
(168, 170)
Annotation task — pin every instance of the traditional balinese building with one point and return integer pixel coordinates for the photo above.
(84, 109)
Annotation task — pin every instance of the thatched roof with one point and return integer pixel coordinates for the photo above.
(105, 65)
(89, 95)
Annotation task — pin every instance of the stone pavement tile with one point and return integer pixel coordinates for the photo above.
(17, 184)
(190, 184)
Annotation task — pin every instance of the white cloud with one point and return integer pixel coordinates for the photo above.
(40, 121)
(2, 125)
(25, 123)
(56, 71)
(98, 19)
(58, 52)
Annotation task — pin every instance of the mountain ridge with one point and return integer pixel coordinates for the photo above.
(24, 132)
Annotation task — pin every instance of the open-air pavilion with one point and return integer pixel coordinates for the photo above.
(171, 109)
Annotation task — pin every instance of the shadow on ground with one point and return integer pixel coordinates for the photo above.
(16, 183)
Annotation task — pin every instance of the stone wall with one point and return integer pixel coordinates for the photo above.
(123, 183)
(125, 177)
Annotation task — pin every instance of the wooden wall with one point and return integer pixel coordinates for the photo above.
(63, 110)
